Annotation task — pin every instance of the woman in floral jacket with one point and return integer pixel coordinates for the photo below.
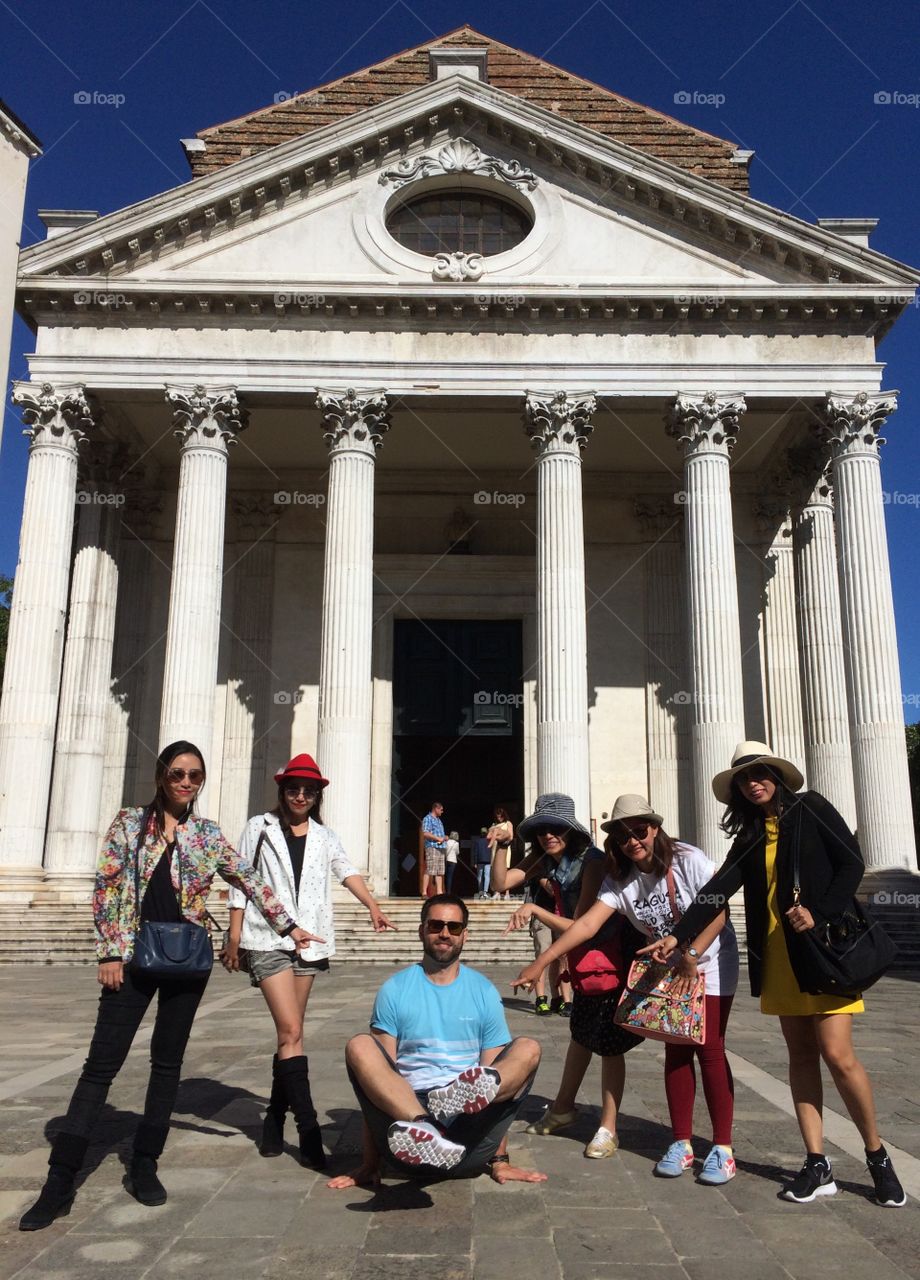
(161, 840)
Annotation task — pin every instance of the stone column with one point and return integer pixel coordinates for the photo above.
(354, 426)
(707, 429)
(79, 758)
(883, 807)
(782, 686)
(57, 418)
(667, 696)
(828, 757)
(558, 425)
(207, 421)
(246, 722)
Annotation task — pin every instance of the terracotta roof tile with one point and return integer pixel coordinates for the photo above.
(512, 70)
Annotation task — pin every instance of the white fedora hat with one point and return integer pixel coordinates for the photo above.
(631, 806)
(746, 754)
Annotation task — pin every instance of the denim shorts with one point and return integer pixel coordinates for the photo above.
(265, 964)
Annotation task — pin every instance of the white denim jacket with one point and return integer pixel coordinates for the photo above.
(312, 907)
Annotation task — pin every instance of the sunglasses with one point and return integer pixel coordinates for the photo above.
(756, 773)
(195, 776)
(625, 834)
(453, 927)
(549, 831)
(295, 789)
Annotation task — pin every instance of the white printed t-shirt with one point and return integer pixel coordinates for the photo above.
(440, 1030)
(644, 900)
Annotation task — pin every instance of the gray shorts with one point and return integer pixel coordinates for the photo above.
(265, 964)
(543, 936)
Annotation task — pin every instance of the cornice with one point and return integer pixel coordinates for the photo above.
(404, 128)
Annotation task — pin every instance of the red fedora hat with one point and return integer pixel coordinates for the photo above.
(302, 766)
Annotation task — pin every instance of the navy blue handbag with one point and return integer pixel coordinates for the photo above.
(163, 949)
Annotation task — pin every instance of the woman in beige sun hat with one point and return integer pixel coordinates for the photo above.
(768, 815)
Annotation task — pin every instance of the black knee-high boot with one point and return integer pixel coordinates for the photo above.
(143, 1182)
(295, 1074)
(272, 1143)
(68, 1152)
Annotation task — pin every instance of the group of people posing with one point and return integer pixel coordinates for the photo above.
(438, 1077)
(441, 852)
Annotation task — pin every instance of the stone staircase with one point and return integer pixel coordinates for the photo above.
(893, 897)
(62, 933)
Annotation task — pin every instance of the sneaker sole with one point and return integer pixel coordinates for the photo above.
(828, 1189)
(470, 1093)
(891, 1204)
(714, 1182)
(412, 1145)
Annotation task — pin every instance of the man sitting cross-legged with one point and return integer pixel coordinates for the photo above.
(439, 1078)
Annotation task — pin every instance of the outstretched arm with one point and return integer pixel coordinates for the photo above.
(580, 930)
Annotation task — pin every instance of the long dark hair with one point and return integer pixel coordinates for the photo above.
(743, 818)
(663, 850)
(155, 812)
(280, 809)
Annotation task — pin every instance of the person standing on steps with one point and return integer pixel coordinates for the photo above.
(437, 847)
(297, 855)
(172, 855)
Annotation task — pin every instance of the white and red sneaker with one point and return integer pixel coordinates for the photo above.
(471, 1091)
(419, 1142)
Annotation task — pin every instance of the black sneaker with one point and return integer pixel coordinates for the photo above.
(541, 1007)
(888, 1191)
(565, 1009)
(816, 1179)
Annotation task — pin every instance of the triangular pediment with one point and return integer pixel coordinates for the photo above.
(653, 225)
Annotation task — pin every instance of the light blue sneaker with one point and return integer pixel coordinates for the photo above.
(677, 1158)
(718, 1167)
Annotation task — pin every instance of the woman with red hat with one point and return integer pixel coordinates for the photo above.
(297, 856)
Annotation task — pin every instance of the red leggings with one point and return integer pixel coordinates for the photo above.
(718, 1086)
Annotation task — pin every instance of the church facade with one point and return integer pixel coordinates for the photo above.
(473, 429)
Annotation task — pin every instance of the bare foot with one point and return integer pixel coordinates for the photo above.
(366, 1176)
(512, 1173)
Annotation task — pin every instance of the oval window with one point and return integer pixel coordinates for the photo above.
(458, 221)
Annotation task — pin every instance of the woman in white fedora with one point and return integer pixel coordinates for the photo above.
(562, 855)
(765, 815)
(651, 880)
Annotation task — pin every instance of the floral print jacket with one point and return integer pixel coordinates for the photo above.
(203, 849)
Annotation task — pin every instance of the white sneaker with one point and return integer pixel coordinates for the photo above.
(418, 1142)
(603, 1144)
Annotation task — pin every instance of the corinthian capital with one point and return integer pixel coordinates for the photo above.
(707, 424)
(852, 426)
(54, 415)
(559, 422)
(207, 417)
(354, 420)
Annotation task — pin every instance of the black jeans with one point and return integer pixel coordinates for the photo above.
(119, 1016)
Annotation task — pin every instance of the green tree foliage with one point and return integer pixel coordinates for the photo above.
(6, 595)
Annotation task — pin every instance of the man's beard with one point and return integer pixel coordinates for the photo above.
(442, 955)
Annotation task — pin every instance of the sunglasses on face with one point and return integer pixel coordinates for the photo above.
(757, 773)
(558, 832)
(625, 834)
(294, 789)
(453, 927)
(195, 776)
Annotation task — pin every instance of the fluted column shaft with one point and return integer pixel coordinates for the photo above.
(880, 774)
(56, 420)
(76, 795)
(828, 758)
(206, 422)
(784, 692)
(248, 681)
(558, 426)
(354, 426)
(707, 429)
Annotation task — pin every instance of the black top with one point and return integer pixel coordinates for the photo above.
(830, 871)
(296, 846)
(160, 900)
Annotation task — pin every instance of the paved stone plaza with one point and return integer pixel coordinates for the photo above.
(234, 1215)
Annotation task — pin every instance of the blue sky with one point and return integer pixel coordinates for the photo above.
(802, 84)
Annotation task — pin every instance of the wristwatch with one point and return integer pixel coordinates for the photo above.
(692, 951)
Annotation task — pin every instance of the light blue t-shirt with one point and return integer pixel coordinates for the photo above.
(439, 1030)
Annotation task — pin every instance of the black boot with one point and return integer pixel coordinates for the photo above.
(68, 1152)
(272, 1143)
(295, 1074)
(142, 1181)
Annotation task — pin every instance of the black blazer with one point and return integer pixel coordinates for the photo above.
(831, 868)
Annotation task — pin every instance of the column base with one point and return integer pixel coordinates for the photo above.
(27, 886)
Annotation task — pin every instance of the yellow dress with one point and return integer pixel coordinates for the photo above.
(780, 992)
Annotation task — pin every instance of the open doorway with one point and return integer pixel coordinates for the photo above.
(457, 734)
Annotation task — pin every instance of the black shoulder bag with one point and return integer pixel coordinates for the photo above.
(847, 954)
(163, 949)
